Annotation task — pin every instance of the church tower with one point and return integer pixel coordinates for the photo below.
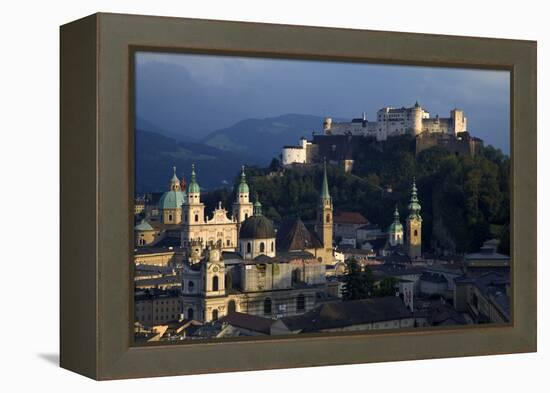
(395, 231)
(193, 209)
(414, 225)
(324, 219)
(242, 208)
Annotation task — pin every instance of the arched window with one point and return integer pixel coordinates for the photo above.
(169, 217)
(191, 286)
(415, 232)
(228, 242)
(245, 216)
(267, 306)
(272, 246)
(328, 218)
(215, 283)
(231, 306)
(196, 218)
(190, 313)
(301, 302)
(262, 247)
(215, 314)
(248, 247)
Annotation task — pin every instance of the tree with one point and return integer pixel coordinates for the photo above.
(386, 287)
(358, 284)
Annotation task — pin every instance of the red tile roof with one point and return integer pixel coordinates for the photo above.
(349, 218)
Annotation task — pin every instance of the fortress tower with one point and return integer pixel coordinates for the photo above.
(414, 226)
(416, 119)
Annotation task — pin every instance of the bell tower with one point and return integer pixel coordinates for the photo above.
(324, 218)
(242, 208)
(192, 211)
(414, 225)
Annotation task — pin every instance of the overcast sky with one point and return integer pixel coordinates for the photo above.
(197, 94)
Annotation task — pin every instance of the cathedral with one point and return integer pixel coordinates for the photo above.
(265, 273)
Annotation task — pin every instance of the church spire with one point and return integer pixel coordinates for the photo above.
(193, 185)
(257, 206)
(243, 187)
(324, 188)
(414, 205)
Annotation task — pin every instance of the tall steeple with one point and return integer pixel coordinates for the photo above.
(414, 225)
(323, 226)
(325, 194)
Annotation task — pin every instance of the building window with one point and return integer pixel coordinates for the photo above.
(267, 306)
(228, 242)
(245, 216)
(415, 232)
(231, 306)
(196, 218)
(215, 315)
(262, 247)
(191, 286)
(272, 246)
(169, 217)
(215, 283)
(328, 218)
(300, 302)
(248, 247)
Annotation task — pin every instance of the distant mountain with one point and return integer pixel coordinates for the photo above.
(144, 124)
(264, 138)
(156, 154)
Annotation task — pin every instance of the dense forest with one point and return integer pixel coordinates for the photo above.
(465, 200)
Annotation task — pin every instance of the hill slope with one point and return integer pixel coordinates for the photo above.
(264, 138)
(156, 154)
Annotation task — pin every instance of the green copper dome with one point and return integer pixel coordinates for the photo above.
(193, 185)
(396, 224)
(144, 226)
(171, 200)
(243, 187)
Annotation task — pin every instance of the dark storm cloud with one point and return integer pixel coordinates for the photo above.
(195, 94)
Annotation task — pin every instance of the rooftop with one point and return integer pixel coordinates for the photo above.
(348, 313)
(344, 217)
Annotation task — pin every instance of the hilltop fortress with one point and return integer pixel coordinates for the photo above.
(336, 142)
(399, 121)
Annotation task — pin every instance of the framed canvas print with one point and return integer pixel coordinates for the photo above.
(241, 196)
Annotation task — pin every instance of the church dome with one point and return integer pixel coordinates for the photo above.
(144, 226)
(172, 200)
(257, 227)
(395, 227)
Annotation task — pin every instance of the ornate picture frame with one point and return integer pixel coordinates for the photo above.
(97, 186)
